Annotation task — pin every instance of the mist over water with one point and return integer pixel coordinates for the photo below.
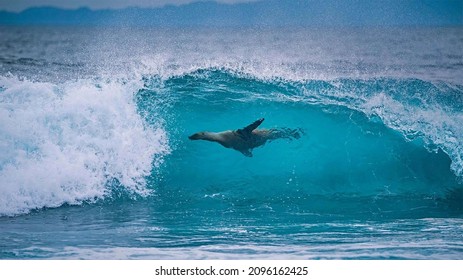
(94, 127)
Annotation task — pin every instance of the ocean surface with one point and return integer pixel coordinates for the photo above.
(95, 160)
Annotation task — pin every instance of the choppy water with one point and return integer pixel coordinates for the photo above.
(95, 161)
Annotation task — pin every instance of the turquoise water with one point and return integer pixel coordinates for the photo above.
(96, 160)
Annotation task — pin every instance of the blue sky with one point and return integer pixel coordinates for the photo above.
(19, 5)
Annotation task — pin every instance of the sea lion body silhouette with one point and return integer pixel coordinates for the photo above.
(247, 138)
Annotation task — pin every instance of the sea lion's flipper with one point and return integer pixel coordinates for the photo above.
(247, 153)
(251, 127)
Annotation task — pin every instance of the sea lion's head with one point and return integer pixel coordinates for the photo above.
(198, 136)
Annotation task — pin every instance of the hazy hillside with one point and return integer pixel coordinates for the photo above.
(264, 13)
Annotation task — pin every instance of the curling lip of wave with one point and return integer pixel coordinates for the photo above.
(430, 111)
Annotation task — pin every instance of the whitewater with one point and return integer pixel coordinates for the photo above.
(95, 160)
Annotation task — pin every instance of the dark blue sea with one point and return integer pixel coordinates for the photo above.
(95, 160)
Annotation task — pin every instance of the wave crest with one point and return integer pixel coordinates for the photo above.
(424, 111)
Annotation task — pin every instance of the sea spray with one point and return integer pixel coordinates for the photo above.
(62, 143)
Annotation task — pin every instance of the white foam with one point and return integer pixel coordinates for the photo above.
(62, 143)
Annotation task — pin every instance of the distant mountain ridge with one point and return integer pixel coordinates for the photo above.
(264, 13)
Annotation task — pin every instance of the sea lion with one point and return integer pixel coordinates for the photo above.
(247, 138)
